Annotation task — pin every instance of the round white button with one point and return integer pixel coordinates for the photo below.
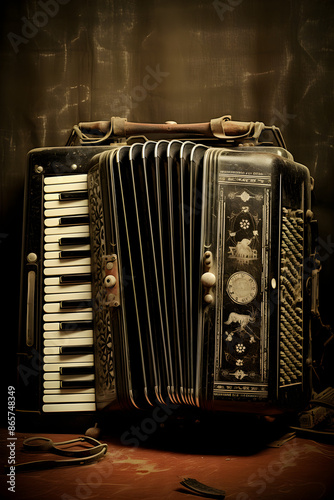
(109, 281)
(208, 279)
(208, 298)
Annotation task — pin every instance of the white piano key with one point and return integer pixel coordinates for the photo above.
(59, 271)
(54, 238)
(56, 349)
(55, 367)
(61, 188)
(66, 230)
(56, 197)
(57, 289)
(75, 295)
(55, 247)
(65, 179)
(49, 389)
(71, 316)
(65, 359)
(71, 280)
(62, 212)
(68, 398)
(56, 221)
(51, 282)
(51, 197)
(85, 261)
(56, 376)
(62, 342)
(56, 203)
(49, 327)
(54, 307)
(69, 407)
(51, 255)
(52, 222)
(54, 387)
(51, 350)
(57, 334)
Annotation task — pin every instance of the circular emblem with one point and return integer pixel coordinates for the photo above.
(241, 287)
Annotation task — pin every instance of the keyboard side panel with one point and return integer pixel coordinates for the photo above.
(42, 163)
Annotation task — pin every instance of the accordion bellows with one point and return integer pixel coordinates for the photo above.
(198, 276)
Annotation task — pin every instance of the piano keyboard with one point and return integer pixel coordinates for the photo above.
(68, 359)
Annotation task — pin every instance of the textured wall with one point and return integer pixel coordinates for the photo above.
(65, 61)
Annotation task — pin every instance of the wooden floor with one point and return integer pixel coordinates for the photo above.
(147, 459)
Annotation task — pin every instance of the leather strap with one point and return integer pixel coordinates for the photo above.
(224, 128)
(81, 457)
(202, 489)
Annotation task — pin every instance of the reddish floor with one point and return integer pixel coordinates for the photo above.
(238, 461)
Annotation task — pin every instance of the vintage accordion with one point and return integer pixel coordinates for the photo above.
(166, 271)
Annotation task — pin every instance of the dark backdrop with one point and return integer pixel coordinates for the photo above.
(65, 61)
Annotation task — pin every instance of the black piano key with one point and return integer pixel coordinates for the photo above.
(73, 254)
(73, 195)
(73, 220)
(77, 384)
(76, 370)
(76, 349)
(75, 279)
(70, 240)
(72, 326)
(75, 304)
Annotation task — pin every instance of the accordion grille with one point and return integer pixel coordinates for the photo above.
(291, 311)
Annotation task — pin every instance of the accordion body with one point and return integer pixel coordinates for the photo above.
(164, 272)
(198, 276)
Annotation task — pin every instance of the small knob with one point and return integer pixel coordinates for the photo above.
(93, 432)
(208, 298)
(309, 214)
(32, 257)
(109, 281)
(208, 280)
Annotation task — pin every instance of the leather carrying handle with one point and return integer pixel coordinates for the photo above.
(222, 128)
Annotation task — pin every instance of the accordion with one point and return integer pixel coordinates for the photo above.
(166, 271)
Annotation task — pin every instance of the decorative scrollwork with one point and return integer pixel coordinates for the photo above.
(103, 341)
